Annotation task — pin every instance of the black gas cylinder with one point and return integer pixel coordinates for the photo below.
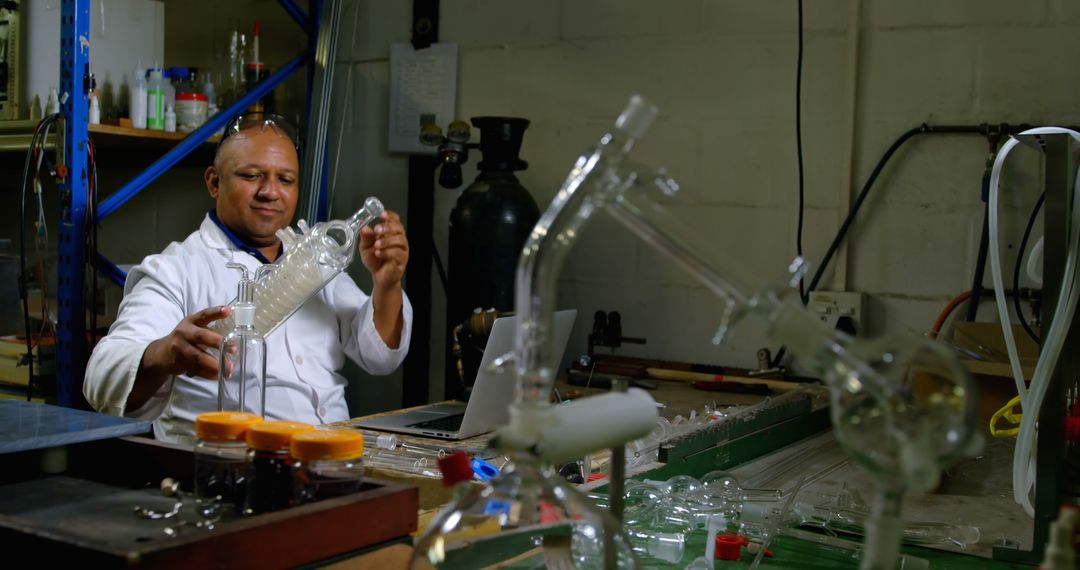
(488, 228)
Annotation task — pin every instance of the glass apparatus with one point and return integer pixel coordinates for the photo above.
(242, 355)
(903, 407)
(313, 256)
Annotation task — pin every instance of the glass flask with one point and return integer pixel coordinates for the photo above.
(242, 356)
(313, 256)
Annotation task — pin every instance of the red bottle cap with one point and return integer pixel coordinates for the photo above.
(455, 468)
(728, 547)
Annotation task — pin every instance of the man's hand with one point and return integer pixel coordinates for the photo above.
(183, 351)
(384, 250)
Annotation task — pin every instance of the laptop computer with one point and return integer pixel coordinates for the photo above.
(491, 394)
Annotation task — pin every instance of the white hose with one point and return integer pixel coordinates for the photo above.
(995, 271)
(1034, 263)
(1023, 462)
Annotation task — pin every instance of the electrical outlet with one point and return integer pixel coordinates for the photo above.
(831, 306)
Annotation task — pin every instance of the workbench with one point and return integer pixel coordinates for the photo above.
(975, 492)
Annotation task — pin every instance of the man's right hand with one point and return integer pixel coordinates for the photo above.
(183, 351)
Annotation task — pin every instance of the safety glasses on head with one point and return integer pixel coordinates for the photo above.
(248, 124)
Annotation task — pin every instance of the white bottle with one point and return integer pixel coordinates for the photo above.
(170, 119)
(94, 115)
(155, 102)
(170, 89)
(138, 98)
(52, 105)
(210, 92)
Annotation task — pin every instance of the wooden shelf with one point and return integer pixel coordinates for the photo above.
(117, 131)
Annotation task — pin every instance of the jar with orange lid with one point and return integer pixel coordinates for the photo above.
(221, 465)
(328, 463)
(270, 487)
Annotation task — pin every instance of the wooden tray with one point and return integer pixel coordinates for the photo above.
(85, 515)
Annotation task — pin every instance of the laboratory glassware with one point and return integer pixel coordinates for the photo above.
(242, 356)
(313, 256)
(903, 407)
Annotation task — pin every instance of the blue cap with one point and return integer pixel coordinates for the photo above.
(484, 471)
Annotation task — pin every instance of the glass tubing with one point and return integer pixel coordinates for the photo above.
(877, 387)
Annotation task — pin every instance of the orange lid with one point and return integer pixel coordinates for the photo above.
(224, 426)
(334, 444)
(275, 435)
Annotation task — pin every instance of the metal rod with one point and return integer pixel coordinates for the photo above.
(293, 10)
(319, 110)
(110, 270)
(618, 467)
(194, 140)
(71, 349)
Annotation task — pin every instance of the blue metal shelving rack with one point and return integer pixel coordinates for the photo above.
(71, 349)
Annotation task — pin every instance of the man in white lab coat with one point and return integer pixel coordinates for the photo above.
(154, 362)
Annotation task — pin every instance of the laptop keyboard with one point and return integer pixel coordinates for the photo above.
(446, 423)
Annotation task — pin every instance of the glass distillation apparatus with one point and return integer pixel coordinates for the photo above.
(903, 407)
(242, 355)
(313, 256)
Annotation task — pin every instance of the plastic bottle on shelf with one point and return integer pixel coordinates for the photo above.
(155, 101)
(137, 96)
(52, 105)
(209, 90)
(94, 114)
(170, 118)
(169, 86)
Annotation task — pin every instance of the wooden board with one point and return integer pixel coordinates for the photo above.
(85, 516)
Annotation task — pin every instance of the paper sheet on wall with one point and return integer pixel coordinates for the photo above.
(423, 89)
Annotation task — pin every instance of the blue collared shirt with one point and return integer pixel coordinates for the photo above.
(237, 241)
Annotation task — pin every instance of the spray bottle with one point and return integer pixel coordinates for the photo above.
(242, 355)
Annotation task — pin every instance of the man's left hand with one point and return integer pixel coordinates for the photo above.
(384, 250)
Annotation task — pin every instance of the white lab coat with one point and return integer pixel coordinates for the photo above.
(304, 354)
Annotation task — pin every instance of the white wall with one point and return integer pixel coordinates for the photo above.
(723, 72)
(122, 33)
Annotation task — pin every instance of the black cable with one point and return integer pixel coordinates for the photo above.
(863, 193)
(41, 126)
(857, 204)
(1019, 262)
(844, 227)
(798, 147)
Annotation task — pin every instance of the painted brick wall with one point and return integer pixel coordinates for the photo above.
(722, 73)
